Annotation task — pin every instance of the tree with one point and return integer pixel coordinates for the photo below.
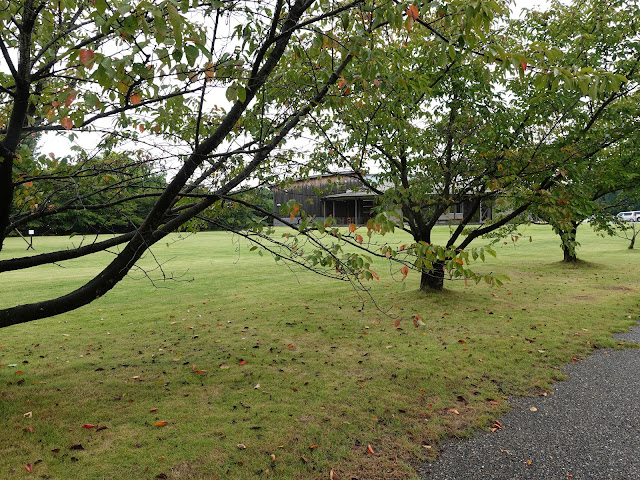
(150, 76)
(501, 128)
(596, 139)
(118, 70)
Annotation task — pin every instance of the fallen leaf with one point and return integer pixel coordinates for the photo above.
(28, 415)
(311, 447)
(242, 446)
(153, 410)
(88, 425)
(370, 450)
(273, 457)
(305, 459)
(161, 475)
(242, 362)
(77, 446)
(333, 475)
(533, 409)
(29, 467)
(161, 423)
(454, 411)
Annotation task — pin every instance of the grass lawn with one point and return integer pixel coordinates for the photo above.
(243, 369)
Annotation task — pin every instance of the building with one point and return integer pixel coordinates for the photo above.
(344, 197)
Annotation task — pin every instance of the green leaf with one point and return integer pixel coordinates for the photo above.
(176, 21)
(232, 93)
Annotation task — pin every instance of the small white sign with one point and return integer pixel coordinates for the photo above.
(31, 232)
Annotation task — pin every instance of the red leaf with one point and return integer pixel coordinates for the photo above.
(161, 423)
(153, 410)
(135, 98)
(86, 56)
(29, 467)
(359, 238)
(405, 271)
(415, 323)
(200, 372)
(88, 425)
(413, 12)
(66, 123)
(523, 64)
(370, 450)
(397, 323)
(242, 362)
(70, 98)
(352, 227)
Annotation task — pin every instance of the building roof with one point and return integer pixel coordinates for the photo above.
(347, 195)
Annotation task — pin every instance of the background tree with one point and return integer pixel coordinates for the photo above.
(594, 143)
(500, 127)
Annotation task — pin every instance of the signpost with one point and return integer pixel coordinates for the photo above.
(30, 243)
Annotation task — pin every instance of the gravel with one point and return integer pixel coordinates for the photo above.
(589, 429)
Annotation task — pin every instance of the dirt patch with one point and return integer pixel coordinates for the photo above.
(618, 288)
(584, 298)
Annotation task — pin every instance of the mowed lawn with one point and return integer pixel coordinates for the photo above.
(240, 368)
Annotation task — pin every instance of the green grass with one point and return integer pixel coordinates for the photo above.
(243, 351)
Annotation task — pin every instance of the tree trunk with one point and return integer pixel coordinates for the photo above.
(569, 243)
(6, 196)
(433, 279)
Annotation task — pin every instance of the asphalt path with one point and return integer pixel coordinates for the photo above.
(588, 429)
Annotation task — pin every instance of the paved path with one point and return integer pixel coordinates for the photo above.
(588, 430)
